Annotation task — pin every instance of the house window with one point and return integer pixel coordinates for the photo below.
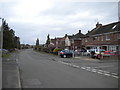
(112, 48)
(101, 38)
(98, 38)
(108, 37)
(85, 39)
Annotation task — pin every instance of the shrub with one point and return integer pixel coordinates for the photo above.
(47, 50)
(55, 51)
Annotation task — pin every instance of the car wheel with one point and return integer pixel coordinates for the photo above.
(64, 56)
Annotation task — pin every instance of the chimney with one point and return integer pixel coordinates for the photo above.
(79, 31)
(98, 25)
(65, 35)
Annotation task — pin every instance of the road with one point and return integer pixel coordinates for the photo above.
(39, 70)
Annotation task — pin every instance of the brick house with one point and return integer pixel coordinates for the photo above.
(69, 41)
(103, 36)
(58, 42)
(61, 42)
(76, 40)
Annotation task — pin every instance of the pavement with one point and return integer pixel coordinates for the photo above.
(10, 72)
(107, 59)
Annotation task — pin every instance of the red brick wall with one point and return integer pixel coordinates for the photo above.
(113, 40)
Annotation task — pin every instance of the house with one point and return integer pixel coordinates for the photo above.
(76, 40)
(58, 42)
(71, 42)
(103, 36)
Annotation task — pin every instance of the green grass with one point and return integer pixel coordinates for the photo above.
(5, 55)
(44, 52)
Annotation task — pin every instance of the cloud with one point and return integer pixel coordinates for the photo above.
(33, 19)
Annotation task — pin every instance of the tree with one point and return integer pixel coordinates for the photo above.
(48, 40)
(37, 44)
(16, 42)
(10, 41)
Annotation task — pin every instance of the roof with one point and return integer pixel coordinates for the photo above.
(60, 39)
(70, 37)
(105, 29)
(78, 35)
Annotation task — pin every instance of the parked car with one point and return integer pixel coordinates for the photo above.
(87, 53)
(95, 53)
(66, 53)
(109, 53)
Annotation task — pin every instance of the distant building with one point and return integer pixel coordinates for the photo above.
(69, 41)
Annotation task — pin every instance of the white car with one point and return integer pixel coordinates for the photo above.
(95, 52)
(87, 53)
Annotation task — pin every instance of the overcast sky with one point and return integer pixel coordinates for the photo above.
(33, 19)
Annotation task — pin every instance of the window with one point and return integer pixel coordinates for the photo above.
(108, 37)
(85, 39)
(101, 38)
(98, 38)
(112, 48)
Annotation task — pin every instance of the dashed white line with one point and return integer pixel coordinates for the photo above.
(88, 69)
(75, 66)
(106, 73)
(115, 76)
(94, 70)
(83, 68)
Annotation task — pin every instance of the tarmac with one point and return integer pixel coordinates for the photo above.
(11, 72)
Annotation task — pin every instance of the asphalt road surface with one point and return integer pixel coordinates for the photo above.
(40, 70)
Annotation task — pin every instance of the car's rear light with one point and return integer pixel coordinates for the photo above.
(61, 53)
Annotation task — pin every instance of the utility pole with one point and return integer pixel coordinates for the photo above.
(1, 36)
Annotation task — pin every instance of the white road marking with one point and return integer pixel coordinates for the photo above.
(115, 76)
(76, 66)
(88, 69)
(106, 73)
(100, 71)
(94, 70)
(83, 68)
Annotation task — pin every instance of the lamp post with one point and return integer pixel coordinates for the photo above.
(1, 36)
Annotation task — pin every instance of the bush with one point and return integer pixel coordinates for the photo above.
(47, 50)
(55, 51)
